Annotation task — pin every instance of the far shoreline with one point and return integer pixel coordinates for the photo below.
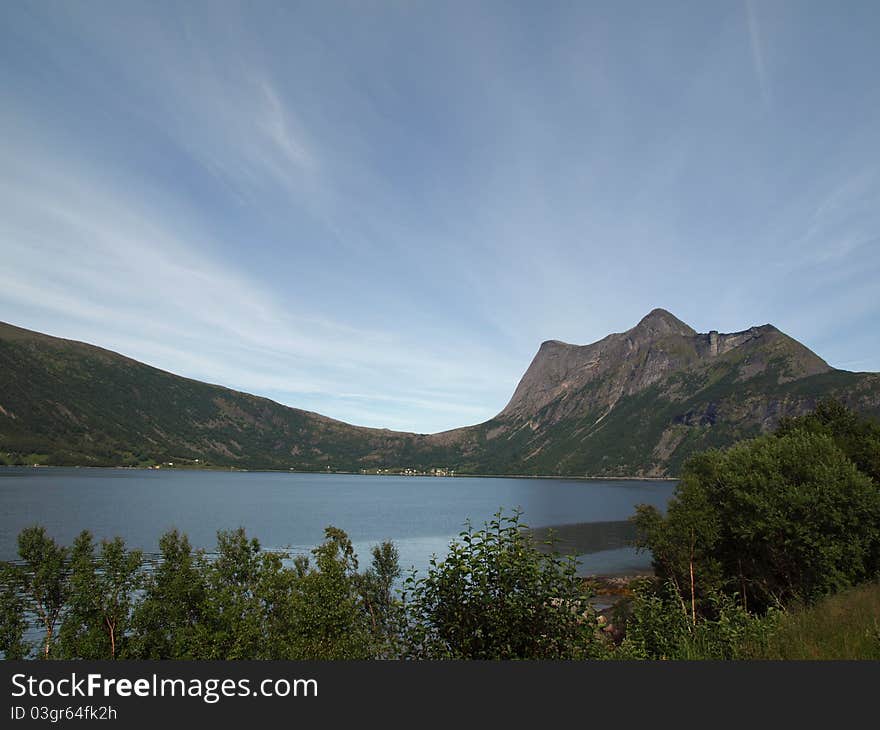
(234, 469)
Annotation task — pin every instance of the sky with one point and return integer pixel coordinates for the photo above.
(379, 210)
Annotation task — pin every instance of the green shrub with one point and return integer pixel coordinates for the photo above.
(43, 582)
(173, 605)
(101, 594)
(775, 519)
(13, 623)
(660, 626)
(497, 596)
(856, 436)
(327, 616)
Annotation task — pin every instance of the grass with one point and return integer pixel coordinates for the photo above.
(843, 626)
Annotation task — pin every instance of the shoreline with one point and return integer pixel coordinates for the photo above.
(607, 478)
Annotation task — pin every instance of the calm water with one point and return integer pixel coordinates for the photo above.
(421, 514)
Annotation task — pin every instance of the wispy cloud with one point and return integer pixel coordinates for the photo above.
(846, 218)
(277, 125)
(379, 214)
(758, 53)
(122, 273)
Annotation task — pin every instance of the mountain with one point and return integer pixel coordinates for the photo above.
(641, 401)
(634, 403)
(65, 402)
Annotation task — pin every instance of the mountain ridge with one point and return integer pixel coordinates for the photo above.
(633, 403)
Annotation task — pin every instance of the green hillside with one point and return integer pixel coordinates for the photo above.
(67, 403)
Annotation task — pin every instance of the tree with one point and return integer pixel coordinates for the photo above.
(497, 596)
(44, 580)
(119, 576)
(173, 605)
(246, 603)
(231, 626)
(101, 593)
(775, 519)
(12, 617)
(376, 589)
(274, 588)
(856, 436)
(684, 544)
(81, 636)
(328, 619)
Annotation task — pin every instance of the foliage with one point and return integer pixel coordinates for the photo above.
(239, 603)
(497, 596)
(81, 634)
(777, 519)
(328, 615)
(13, 623)
(661, 627)
(843, 626)
(172, 607)
(854, 435)
(231, 620)
(43, 581)
(100, 598)
(376, 587)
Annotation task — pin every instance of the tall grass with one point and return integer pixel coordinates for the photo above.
(842, 626)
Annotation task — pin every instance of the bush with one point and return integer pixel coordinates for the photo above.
(43, 582)
(661, 627)
(13, 624)
(101, 593)
(172, 607)
(497, 596)
(854, 435)
(777, 519)
(241, 603)
(327, 617)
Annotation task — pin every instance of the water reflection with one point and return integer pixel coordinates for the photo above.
(583, 538)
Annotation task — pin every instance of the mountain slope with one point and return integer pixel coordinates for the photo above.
(641, 401)
(633, 403)
(66, 402)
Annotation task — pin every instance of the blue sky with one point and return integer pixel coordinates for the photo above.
(378, 210)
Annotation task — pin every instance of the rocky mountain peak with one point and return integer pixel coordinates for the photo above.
(564, 380)
(660, 323)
